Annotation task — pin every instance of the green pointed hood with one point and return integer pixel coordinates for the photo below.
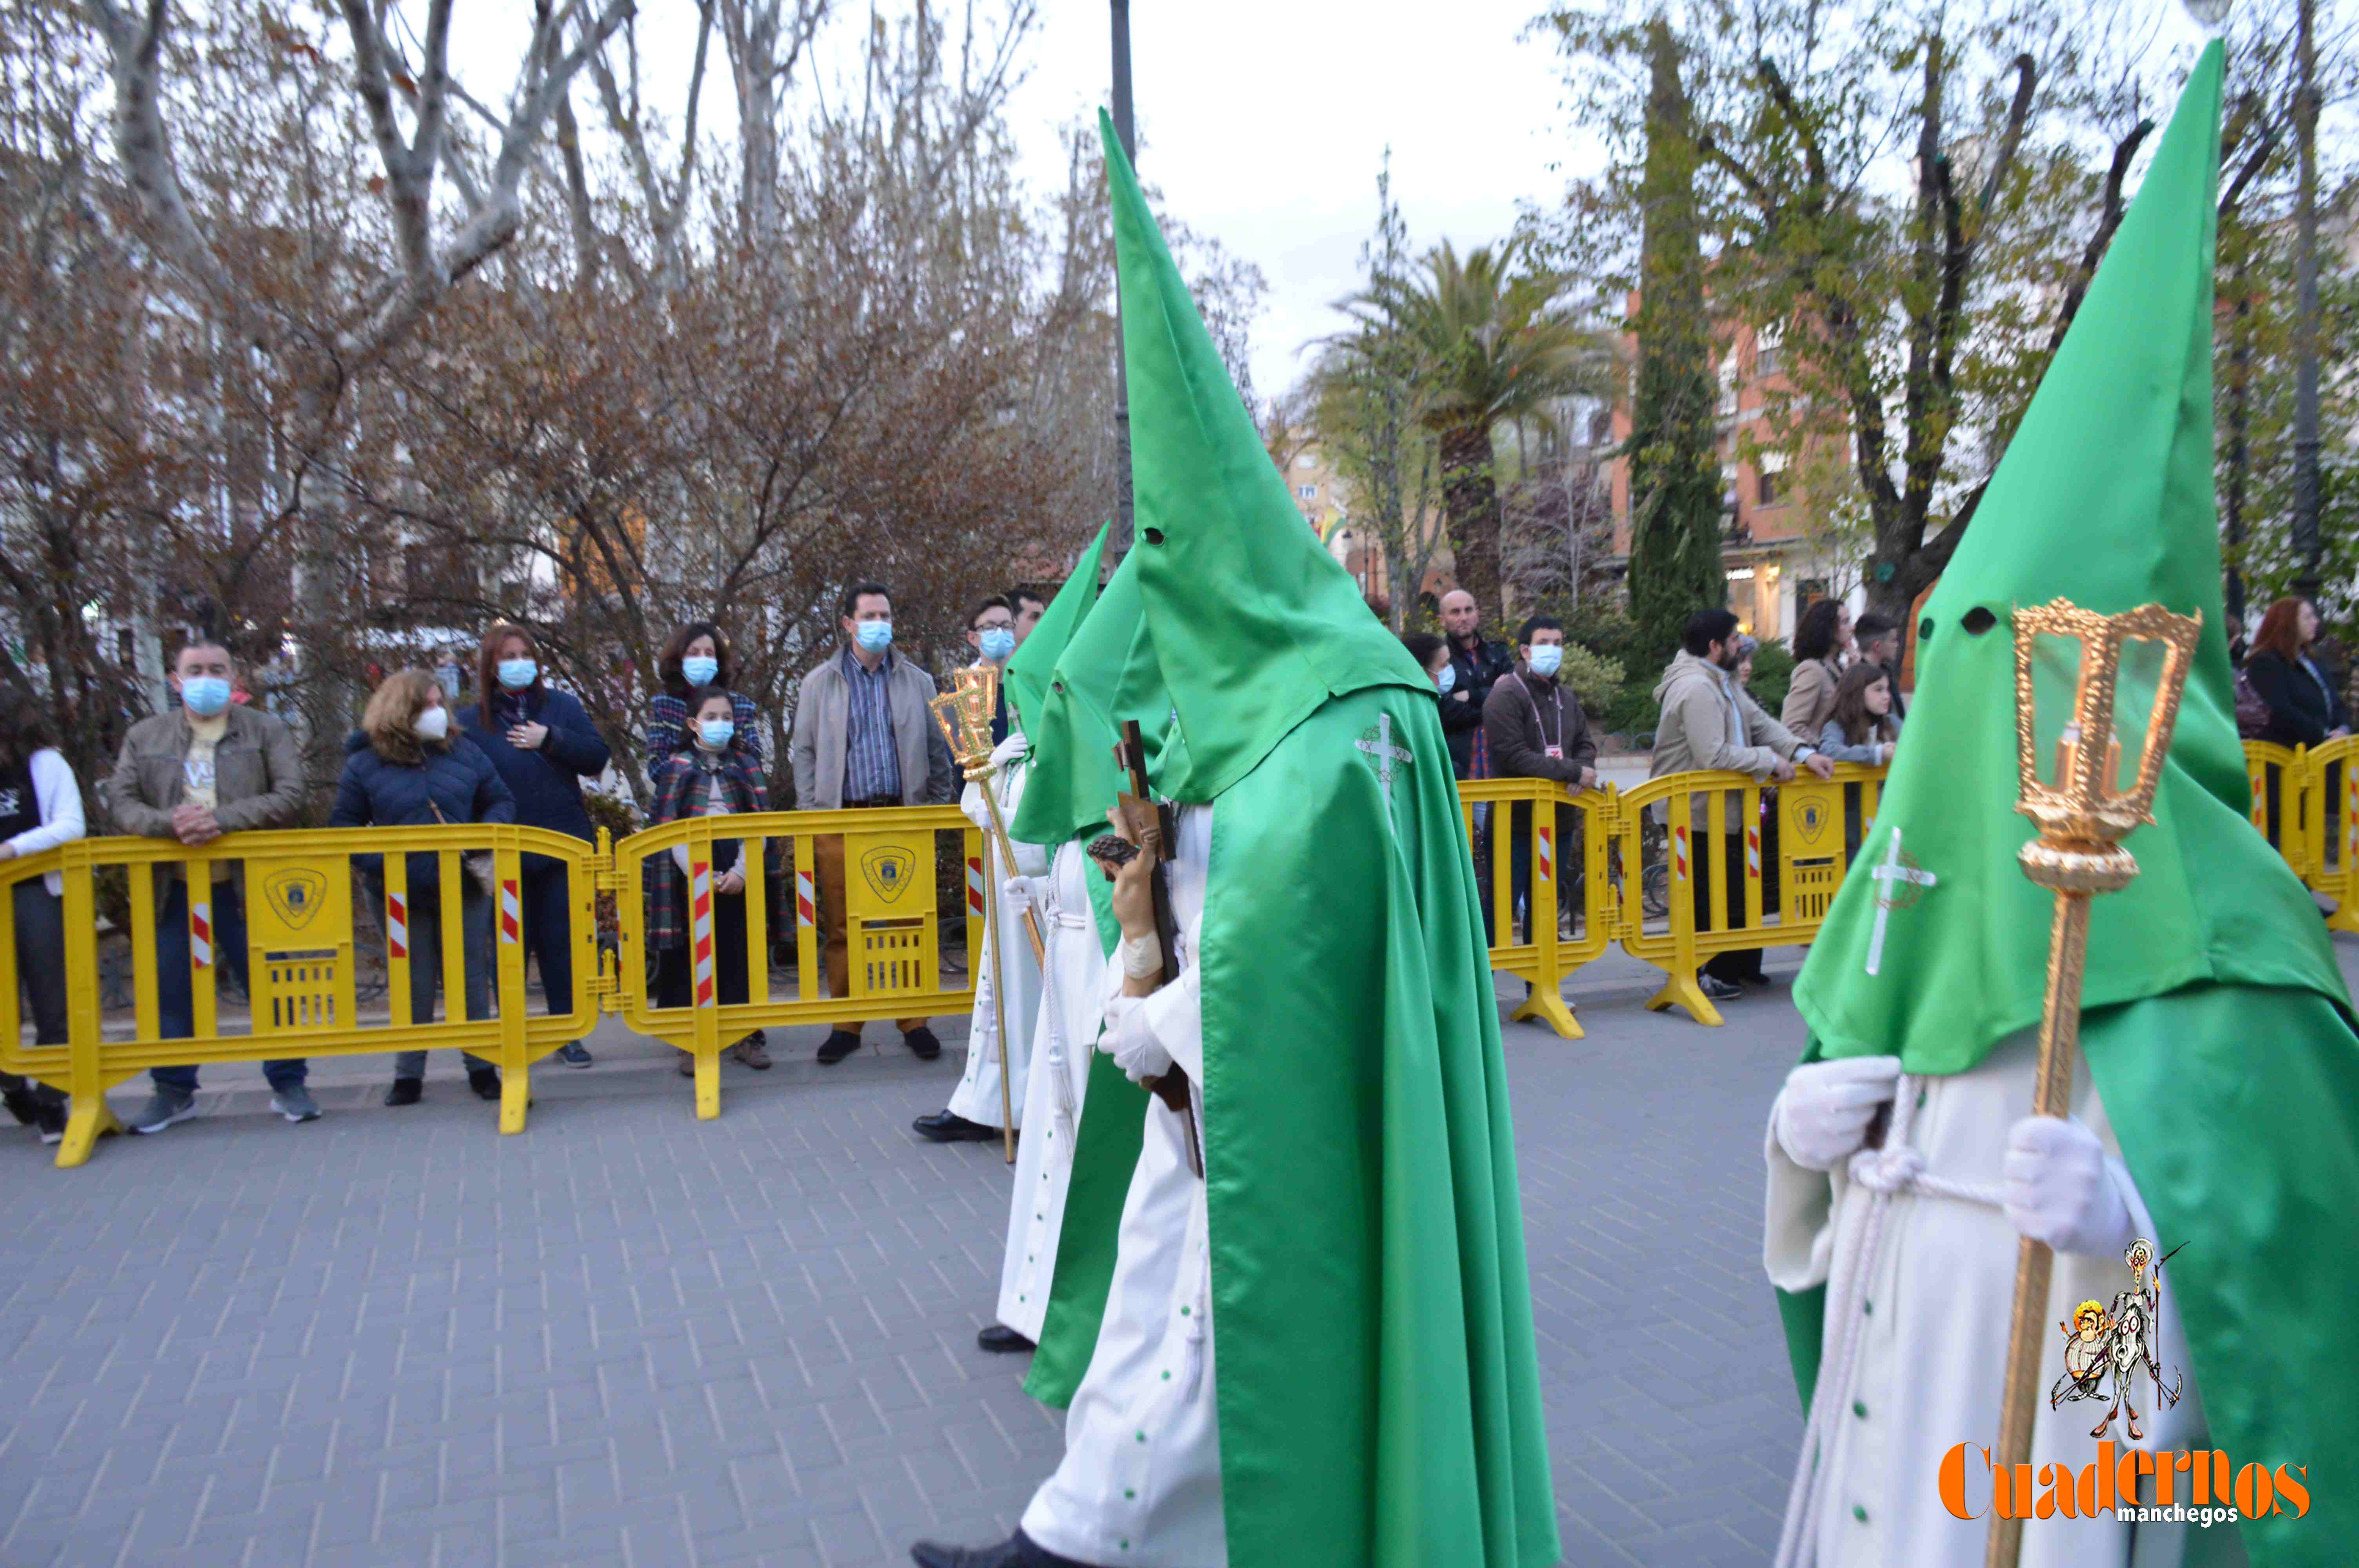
(2105, 497)
(1256, 625)
(1028, 671)
(1106, 673)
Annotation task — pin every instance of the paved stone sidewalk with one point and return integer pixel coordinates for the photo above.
(627, 1336)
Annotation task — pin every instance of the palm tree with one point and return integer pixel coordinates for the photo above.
(1489, 343)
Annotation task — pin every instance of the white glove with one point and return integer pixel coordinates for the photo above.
(1019, 891)
(1822, 1114)
(1131, 1043)
(2059, 1188)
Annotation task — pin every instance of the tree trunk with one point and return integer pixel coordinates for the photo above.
(1470, 499)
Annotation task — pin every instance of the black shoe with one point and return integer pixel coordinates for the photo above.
(944, 1128)
(49, 1118)
(1759, 978)
(922, 1043)
(1002, 1340)
(484, 1081)
(21, 1105)
(405, 1091)
(837, 1046)
(1019, 1551)
(1718, 990)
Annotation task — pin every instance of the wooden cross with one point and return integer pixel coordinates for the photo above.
(1891, 873)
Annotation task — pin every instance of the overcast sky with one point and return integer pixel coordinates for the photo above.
(1265, 121)
(1262, 120)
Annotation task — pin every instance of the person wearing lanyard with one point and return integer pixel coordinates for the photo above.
(1533, 730)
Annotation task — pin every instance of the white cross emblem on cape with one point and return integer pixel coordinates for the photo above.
(1378, 744)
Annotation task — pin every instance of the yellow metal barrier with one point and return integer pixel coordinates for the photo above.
(301, 956)
(2286, 803)
(1547, 839)
(2330, 819)
(1711, 838)
(893, 929)
(1636, 860)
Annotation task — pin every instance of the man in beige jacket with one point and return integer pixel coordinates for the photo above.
(1711, 721)
(864, 738)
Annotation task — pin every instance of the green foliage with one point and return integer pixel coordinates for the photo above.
(618, 816)
(1773, 672)
(1486, 338)
(1596, 681)
(1674, 446)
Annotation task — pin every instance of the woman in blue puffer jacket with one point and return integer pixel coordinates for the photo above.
(406, 769)
(543, 745)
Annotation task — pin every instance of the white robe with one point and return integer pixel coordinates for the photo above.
(1935, 1305)
(1141, 1478)
(977, 1096)
(1074, 989)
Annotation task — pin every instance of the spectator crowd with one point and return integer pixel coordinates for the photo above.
(518, 750)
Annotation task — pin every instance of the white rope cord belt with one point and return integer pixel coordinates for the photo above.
(1898, 1167)
(1055, 917)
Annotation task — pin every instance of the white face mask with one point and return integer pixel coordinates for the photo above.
(434, 724)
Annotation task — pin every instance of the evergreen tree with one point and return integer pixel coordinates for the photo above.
(1674, 457)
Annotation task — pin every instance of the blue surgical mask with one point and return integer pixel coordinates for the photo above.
(204, 696)
(1547, 658)
(1446, 680)
(716, 733)
(997, 643)
(518, 674)
(876, 636)
(698, 669)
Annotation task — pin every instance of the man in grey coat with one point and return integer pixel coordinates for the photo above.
(1709, 720)
(207, 767)
(864, 738)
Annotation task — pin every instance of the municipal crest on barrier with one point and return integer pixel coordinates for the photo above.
(297, 895)
(1811, 819)
(889, 870)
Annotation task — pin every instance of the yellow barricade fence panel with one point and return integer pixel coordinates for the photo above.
(281, 912)
(1565, 841)
(1701, 838)
(322, 926)
(2285, 803)
(881, 861)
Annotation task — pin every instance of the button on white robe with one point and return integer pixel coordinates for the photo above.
(977, 1095)
(1141, 1478)
(1074, 989)
(1934, 1317)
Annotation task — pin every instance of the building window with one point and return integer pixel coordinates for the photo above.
(1768, 494)
(1766, 360)
(1306, 491)
(1306, 460)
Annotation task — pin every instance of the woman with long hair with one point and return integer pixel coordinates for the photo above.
(543, 745)
(2305, 707)
(706, 776)
(698, 658)
(1821, 639)
(406, 768)
(1861, 729)
(40, 808)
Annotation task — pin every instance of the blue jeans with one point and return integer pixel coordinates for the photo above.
(175, 998)
(548, 928)
(426, 931)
